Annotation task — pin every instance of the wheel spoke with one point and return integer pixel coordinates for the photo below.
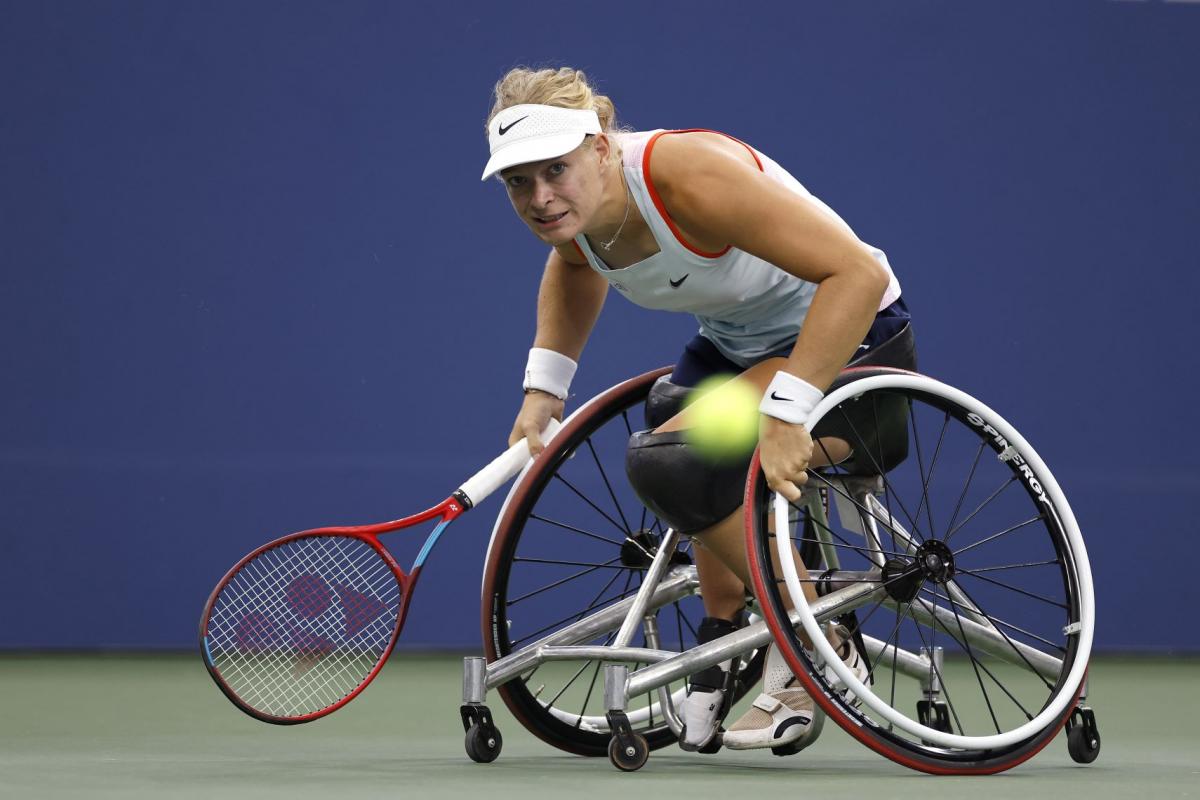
(982, 665)
(587, 500)
(887, 487)
(1006, 638)
(894, 635)
(994, 536)
(882, 473)
(607, 484)
(1010, 566)
(610, 564)
(929, 478)
(1003, 585)
(941, 680)
(998, 621)
(882, 585)
(573, 529)
(886, 524)
(591, 688)
(966, 487)
(1011, 480)
(974, 662)
(575, 617)
(862, 550)
(567, 579)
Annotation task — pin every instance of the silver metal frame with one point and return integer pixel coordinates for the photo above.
(663, 585)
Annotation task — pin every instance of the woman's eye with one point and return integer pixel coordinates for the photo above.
(515, 181)
(557, 169)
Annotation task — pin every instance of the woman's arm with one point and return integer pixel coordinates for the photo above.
(715, 192)
(569, 302)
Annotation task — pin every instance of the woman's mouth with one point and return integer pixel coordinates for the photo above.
(547, 222)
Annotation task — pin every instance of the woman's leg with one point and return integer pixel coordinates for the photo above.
(726, 539)
(783, 714)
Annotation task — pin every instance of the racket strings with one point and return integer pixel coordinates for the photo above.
(303, 624)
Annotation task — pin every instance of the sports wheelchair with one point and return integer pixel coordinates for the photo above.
(944, 544)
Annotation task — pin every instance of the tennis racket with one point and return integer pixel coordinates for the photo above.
(300, 626)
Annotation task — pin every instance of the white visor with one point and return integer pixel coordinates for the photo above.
(525, 133)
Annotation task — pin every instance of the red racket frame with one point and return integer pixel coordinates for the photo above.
(448, 511)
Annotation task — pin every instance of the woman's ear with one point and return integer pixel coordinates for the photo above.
(603, 147)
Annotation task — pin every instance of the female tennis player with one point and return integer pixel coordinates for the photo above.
(785, 293)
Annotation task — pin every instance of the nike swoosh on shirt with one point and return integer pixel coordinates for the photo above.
(506, 128)
(678, 283)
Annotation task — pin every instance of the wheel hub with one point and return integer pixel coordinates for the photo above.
(903, 578)
(936, 561)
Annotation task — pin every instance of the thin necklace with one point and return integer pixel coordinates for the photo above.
(608, 245)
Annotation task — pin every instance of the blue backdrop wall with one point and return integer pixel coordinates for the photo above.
(247, 266)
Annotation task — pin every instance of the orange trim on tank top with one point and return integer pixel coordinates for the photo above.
(658, 203)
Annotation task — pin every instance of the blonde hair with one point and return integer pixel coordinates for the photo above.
(564, 87)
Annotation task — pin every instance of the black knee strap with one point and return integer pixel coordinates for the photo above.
(711, 678)
(713, 628)
(683, 488)
(664, 401)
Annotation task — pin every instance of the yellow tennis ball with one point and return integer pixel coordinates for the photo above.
(722, 417)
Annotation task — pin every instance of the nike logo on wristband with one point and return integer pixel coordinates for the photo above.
(506, 128)
(784, 399)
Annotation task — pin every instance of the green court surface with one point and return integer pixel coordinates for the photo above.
(156, 726)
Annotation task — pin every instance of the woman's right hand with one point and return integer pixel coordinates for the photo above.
(535, 414)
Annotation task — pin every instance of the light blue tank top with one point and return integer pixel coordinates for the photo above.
(747, 307)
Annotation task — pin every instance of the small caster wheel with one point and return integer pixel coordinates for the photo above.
(632, 756)
(1083, 736)
(483, 743)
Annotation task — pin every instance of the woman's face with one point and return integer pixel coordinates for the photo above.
(558, 198)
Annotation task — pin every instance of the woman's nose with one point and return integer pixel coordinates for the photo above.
(543, 195)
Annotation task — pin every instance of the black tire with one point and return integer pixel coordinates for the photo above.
(1030, 585)
(483, 743)
(1083, 738)
(590, 448)
(624, 760)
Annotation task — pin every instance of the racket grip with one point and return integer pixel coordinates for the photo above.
(502, 468)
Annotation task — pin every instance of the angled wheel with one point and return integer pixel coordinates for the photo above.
(972, 580)
(571, 541)
(483, 743)
(630, 757)
(1083, 736)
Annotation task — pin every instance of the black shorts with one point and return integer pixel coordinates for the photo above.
(701, 359)
(876, 431)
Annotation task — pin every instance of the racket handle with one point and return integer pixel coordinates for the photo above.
(502, 468)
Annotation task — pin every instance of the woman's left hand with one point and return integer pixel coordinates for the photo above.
(784, 452)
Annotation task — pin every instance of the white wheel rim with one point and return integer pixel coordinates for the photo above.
(1052, 712)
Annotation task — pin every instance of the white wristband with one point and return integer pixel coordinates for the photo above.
(549, 372)
(790, 399)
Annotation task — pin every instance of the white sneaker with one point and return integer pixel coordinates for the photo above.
(784, 715)
(700, 714)
(852, 659)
